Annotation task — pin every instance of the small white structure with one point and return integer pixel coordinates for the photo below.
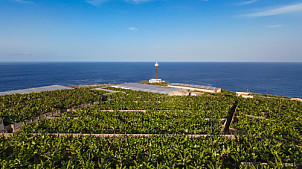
(196, 94)
(176, 93)
(155, 81)
(201, 88)
(298, 99)
(147, 88)
(244, 95)
(37, 89)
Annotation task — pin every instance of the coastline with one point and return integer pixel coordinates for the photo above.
(267, 78)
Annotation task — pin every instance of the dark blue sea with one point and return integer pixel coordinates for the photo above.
(266, 78)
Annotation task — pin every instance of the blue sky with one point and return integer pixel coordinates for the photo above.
(151, 30)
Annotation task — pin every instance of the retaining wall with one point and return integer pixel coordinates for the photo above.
(232, 137)
(230, 119)
(17, 126)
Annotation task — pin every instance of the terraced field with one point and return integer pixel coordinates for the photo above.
(271, 127)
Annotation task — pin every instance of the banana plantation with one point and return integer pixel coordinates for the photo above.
(266, 132)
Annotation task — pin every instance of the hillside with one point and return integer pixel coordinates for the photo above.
(136, 129)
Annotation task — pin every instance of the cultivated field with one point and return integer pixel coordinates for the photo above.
(147, 130)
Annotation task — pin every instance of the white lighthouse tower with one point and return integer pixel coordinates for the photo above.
(156, 80)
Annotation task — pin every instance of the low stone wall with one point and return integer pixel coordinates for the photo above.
(258, 117)
(210, 119)
(229, 120)
(17, 126)
(144, 111)
(232, 137)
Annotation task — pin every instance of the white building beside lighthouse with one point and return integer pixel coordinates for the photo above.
(156, 79)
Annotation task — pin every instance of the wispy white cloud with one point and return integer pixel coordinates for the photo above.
(99, 2)
(133, 29)
(247, 2)
(137, 1)
(22, 1)
(20, 54)
(274, 26)
(95, 2)
(277, 11)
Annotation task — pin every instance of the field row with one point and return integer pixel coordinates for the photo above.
(20, 107)
(160, 122)
(162, 152)
(271, 118)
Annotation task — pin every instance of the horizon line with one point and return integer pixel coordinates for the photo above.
(150, 61)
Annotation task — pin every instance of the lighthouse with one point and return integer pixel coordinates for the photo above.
(156, 70)
(156, 80)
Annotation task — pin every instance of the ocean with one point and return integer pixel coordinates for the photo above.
(266, 78)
